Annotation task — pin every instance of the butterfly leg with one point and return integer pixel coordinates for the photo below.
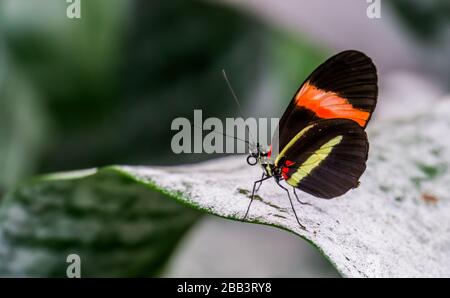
(298, 200)
(253, 194)
(292, 205)
(260, 183)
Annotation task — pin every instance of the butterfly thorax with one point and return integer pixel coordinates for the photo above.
(265, 161)
(271, 170)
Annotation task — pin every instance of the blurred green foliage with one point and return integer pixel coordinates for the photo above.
(426, 19)
(118, 228)
(104, 89)
(108, 85)
(429, 24)
(21, 123)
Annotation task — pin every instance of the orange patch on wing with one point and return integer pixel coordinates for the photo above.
(329, 105)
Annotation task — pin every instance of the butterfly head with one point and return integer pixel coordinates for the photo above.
(255, 155)
(261, 157)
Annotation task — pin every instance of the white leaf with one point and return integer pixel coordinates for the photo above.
(396, 224)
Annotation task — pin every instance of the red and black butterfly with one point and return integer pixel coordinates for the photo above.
(322, 145)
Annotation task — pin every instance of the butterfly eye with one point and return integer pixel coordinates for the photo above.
(251, 160)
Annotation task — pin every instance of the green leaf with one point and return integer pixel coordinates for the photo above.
(118, 227)
(389, 227)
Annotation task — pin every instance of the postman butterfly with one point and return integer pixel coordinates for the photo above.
(322, 145)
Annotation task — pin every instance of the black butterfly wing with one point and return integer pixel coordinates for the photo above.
(344, 86)
(326, 158)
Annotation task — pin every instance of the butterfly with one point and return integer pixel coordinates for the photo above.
(321, 143)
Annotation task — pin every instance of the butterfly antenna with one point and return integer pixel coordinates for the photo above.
(238, 105)
(224, 134)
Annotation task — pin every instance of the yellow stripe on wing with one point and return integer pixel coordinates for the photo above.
(313, 161)
(292, 142)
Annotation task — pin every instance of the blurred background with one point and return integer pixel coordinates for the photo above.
(104, 89)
